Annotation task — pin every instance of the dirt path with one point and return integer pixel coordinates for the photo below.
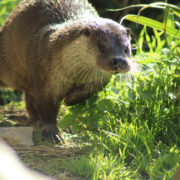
(45, 159)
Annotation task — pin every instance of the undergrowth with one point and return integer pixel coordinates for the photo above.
(133, 125)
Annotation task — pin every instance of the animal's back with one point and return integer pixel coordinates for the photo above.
(23, 30)
(37, 13)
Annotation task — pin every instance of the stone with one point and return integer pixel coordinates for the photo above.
(17, 135)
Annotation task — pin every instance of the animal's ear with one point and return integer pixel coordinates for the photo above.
(86, 32)
(128, 31)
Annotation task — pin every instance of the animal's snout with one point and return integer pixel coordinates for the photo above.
(119, 63)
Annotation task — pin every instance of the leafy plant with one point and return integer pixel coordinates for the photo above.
(133, 125)
(153, 23)
(6, 7)
(167, 26)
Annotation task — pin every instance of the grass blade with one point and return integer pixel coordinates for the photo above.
(153, 24)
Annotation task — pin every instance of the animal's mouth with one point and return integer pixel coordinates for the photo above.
(115, 72)
(120, 66)
(122, 71)
(116, 66)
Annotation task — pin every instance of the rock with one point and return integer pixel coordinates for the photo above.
(17, 135)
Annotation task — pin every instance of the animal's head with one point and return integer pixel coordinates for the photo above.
(100, 45)
(106, 44)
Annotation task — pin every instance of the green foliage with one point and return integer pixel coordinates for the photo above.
(153, 24)
(134, 123)
(11, 96)
(83, 166)
(167, 26)
(6, 7)
(147, 98)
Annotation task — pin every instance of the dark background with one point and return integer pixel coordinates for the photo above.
(102, 7)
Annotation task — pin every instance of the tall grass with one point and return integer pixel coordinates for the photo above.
(134, 125)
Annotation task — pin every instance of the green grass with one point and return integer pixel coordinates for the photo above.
(134, 124)
(6, 7)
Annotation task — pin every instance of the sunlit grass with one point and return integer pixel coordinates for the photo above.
(133, 125)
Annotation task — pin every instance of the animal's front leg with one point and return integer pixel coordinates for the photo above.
(31, 108)
(48, 110)
(1, 99)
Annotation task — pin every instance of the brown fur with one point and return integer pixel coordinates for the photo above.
(54, 50)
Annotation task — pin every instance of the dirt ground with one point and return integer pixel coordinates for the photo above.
(45, 159)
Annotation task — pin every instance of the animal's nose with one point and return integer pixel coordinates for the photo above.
(119, 63)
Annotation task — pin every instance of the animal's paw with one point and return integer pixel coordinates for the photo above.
(48, 133)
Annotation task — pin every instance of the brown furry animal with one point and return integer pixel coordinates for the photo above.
(55, 50)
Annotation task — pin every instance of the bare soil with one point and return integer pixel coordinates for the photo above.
(45, 159)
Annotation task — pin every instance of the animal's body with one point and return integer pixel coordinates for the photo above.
(56, 50)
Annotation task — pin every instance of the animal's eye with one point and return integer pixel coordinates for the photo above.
(102, 48)
(128, 31)
(126, 50)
